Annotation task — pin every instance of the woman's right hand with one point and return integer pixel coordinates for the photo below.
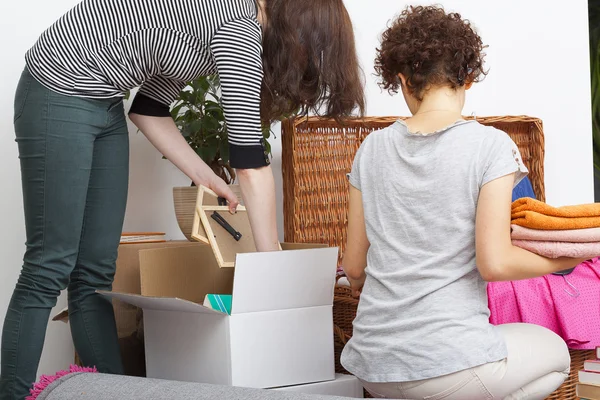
(356, 285)
(221, 188)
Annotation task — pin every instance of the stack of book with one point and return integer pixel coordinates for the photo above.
(589, 379)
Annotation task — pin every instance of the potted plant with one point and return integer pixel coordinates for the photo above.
(198, 113)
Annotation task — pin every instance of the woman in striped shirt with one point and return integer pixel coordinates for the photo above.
(273, 58)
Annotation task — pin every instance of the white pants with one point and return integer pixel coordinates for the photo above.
(538, 363)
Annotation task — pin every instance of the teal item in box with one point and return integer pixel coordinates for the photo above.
(219, 302)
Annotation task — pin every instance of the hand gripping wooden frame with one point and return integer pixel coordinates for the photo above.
(207, 230)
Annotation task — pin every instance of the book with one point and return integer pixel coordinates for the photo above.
(589, 377)
(591, 365)
(590, 392)
(142, 237)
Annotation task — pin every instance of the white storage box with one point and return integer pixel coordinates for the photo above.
(279, 333)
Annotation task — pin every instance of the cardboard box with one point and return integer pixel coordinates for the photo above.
(343, 386)
(127, 280)
(280, 332)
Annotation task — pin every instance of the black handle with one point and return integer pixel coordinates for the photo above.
(225, 225)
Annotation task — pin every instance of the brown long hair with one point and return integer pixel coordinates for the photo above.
(309, 60)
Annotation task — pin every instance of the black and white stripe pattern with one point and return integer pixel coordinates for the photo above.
(102, 48)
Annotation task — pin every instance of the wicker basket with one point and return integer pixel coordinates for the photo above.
(317, 155)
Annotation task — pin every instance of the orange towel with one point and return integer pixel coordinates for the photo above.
(578, 211)
(535, 220)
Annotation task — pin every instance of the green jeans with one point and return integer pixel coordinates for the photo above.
(74, 155)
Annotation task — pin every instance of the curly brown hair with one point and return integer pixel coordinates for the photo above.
(430, 48)
(310, 61)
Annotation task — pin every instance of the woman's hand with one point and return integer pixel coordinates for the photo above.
(221, 188)
(357, 285)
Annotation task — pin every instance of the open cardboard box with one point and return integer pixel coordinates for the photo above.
(280, 330)
(127, 279)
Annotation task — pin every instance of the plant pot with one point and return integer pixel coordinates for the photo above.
(184, 199)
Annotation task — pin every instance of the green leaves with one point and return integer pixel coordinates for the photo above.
(199, 115)
(224, 151)
(214, 109)
(209, 151)
(267, 132)
(211, 124)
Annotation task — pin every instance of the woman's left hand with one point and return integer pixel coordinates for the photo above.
(357, 285)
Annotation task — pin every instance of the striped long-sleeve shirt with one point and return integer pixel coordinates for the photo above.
(103, 48)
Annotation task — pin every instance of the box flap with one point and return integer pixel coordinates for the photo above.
(284, 279)
(188, 273)
(127, 276)
(62, 316)
(161, 303)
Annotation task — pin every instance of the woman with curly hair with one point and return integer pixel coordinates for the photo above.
(429, 224)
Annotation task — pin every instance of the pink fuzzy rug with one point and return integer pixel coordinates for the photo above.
(46, 380)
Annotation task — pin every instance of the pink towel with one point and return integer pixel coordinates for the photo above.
(573, 236)
(550, 301)
(560, 249)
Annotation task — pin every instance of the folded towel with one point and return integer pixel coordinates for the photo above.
(577, 211)
(534, 220)
(560, 249)
(572, 236)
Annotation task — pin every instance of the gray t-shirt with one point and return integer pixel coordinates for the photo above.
(423, 312)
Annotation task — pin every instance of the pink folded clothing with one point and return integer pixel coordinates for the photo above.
(573, 236)
(560, 249)
(568, 306)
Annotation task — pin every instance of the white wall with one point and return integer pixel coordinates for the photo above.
(538, 60)
(539, 66)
